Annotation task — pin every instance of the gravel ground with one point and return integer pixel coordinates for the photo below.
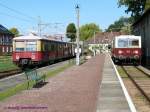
(74, 90)
(139, 101)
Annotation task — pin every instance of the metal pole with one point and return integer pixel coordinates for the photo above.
(39, 26)
(77, 39)
(94, 45)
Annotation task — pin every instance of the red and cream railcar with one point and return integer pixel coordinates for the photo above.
(126, 48)
(29, 50)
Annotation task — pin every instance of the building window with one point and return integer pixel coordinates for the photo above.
(7, 40)
(0, 40)
(7, 49)
(10, 41)
(0, 49)
(10, 49)
(3, 49)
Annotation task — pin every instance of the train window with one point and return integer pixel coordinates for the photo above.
(46, 46)
(19, 49)
(52, 47)
(31, 46)
(134, 43)
(20, 46)
(49, 47)
(122, 43)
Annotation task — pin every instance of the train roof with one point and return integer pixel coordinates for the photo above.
(29, 37)
(128, 36)
(35, 37)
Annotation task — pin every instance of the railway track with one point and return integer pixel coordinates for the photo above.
(140, 79)
(9, 73)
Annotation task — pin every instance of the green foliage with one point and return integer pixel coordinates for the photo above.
(15, 31)
(71, 31)
(136, 7)
(6, 63)
(147, 5)
(121, 25)
(14, 90)
(126, 29)
(87, 31)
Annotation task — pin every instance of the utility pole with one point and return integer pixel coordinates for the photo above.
(42, 26)
(77, 39)
(39, 26)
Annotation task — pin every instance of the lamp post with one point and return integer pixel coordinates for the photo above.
(77, 39)
(94, 45)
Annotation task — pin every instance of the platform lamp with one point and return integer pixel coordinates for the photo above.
(77, 34)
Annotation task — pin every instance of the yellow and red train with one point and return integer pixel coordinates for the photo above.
(30, 50)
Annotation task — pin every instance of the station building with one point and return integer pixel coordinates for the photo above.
(100, 42)
(5, 41)
(142, 28)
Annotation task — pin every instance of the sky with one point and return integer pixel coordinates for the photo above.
(57, 14)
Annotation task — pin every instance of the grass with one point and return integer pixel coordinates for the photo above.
(121, 72)
(24, 86)
(6, 63)
(18, 88)
(54, 72)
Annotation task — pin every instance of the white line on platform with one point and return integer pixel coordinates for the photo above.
(129, 100)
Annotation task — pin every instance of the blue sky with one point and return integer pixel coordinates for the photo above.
(101, 12)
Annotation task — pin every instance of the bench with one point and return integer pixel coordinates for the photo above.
(33, 75)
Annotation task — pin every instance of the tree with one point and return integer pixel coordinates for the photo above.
(126, 29)
(87, 31)
(15, 31)
(147, 5)
(121, 25)
(136, 7)
(71, 32)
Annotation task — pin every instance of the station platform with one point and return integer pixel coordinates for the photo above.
(91, 87)
(111, 95)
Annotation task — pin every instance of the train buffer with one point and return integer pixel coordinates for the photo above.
(34, 76)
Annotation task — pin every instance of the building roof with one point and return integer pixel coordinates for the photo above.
(105, 37)
(145, 13)
(4, 30)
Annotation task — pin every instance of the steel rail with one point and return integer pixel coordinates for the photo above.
(148, 75)
(9, 73)
(138, 86)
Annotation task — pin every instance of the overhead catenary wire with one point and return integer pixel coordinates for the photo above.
(18, 12)
(22, 19)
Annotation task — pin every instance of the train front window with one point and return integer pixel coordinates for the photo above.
(122, 43)
(25, 45)
(20, 46)
(134, 43)
(31, 46)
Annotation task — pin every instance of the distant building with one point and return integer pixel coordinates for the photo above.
(5, 41)
(100, 42)
(142, 28)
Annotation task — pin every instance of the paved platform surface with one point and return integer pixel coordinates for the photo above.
(74, 90)
(77, 89)
(111, 95)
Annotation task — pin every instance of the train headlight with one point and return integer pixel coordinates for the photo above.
(120, 52)
(136, 51)
(33, 56)
(17, 57)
